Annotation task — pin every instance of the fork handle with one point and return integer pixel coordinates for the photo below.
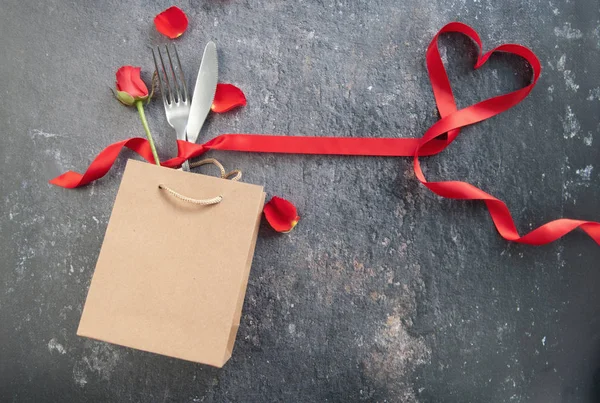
(181, 135)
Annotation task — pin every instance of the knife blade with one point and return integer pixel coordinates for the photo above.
(204, 91)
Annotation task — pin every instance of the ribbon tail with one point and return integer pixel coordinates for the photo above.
(103, 162)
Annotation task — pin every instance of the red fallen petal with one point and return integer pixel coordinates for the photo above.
(172, 22)
(281, 214)
(129, 81)
(227, 97)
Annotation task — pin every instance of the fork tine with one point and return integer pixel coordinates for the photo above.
(170, 95)
(163, 95)
(183, 83)
(175, 81)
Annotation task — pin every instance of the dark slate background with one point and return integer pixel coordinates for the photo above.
(383, 292)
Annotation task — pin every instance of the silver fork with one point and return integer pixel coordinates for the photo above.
(174, 93)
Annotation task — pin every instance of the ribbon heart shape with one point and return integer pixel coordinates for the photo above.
(452, 120)
(439, 136)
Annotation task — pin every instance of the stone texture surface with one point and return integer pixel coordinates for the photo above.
(383, 292)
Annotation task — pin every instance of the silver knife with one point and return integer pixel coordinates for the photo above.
(204, 91)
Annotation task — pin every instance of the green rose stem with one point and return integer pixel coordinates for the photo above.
(140, 108)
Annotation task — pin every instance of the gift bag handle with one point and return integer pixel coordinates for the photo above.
(234, 175)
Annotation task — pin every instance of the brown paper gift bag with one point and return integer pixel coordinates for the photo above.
(171, 275)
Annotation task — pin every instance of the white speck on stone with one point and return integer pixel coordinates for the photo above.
(560, 65)
(567, 32)
(571, 125)
(551, 89)
(95, 219)
(310, 35)
(102, 360)
(386, 99)
(292, 328)
(594, 94)
(444, 54)
(555, 11)
(71, 270)
(54, 345)
(40, 133)
(587, 140)
(567, 74)
(585, 173)
(570, 81)
(79, 376)
(544, 340)
(216, 22)
(370, 87)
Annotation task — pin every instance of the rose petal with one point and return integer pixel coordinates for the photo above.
(172, 22)
(129, 81)
(281, 214)
(227, 97)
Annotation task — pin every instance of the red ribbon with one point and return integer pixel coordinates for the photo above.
(435, 140)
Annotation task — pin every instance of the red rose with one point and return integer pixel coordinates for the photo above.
(130, 87)
(131, 90)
